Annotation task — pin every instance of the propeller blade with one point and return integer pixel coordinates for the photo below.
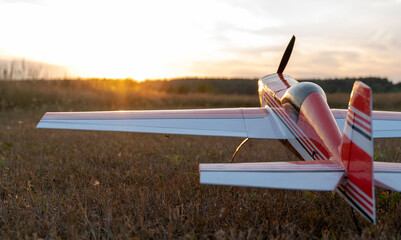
(286, 55)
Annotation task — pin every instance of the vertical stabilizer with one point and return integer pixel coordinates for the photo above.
(357, 153)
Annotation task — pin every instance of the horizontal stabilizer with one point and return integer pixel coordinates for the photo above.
(313, 176)
(229, 122)
(388, 175)
(386, 124)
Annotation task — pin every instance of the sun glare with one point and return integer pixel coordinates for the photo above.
(165, 39)
(121, 39)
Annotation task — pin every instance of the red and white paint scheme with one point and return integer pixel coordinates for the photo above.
(335, 146)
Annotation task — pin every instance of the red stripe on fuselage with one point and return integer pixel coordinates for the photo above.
(280, 75)
(288, 122)
(316, 120)
(298, 133)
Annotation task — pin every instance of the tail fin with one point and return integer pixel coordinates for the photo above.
(357, 153)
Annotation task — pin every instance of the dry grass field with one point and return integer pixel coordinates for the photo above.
(58, 184)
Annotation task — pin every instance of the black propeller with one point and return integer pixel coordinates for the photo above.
(286, 55)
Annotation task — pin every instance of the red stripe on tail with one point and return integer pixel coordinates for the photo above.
(356, 153)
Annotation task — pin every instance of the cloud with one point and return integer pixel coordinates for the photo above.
(339, 38)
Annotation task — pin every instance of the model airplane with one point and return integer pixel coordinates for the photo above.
(294, 113)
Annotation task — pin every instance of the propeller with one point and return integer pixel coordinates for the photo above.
(283, 63)
(286, 55)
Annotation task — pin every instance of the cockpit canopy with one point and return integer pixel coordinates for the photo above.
(295, 96)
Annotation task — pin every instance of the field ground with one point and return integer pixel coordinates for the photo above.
(83, 184)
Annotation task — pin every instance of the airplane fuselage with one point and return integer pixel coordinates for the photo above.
(303, 109)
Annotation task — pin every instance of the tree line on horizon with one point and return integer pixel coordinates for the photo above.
(239, 86)
(22, 69)
(250, 86)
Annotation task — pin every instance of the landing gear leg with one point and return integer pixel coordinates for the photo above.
(236, 151)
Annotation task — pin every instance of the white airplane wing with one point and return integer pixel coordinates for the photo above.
(229, 122)
(388, 175)
(300, 175)
(386, 124)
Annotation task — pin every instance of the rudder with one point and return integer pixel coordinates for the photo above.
(357, 153)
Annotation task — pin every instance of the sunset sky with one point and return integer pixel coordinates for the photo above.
(166, 39)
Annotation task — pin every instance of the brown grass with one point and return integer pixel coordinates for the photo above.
(84, 184)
